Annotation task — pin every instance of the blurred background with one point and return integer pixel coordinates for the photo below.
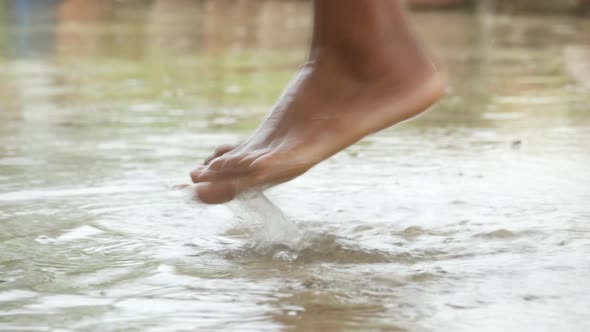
(473, 216)
(238, 51)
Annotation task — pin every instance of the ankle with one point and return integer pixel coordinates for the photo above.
(362, 63)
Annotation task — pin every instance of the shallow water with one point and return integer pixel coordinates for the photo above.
(473, 217)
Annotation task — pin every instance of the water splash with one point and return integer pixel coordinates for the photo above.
(270, 226)
(259, 217)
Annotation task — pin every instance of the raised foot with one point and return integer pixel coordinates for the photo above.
(320, 113)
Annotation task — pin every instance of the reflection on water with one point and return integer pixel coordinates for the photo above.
(473, 217)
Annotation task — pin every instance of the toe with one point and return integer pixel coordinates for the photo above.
(246, 161)
(197, 172)
(216, 171)
(220, 151)
(217, 163)
(215, 193)
(219, 187)
(230, 162)
(205, 174)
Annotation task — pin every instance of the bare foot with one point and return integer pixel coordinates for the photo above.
(335, 100)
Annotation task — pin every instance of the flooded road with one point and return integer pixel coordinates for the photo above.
(474, 217)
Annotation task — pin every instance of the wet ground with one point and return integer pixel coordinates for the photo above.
(472, 217)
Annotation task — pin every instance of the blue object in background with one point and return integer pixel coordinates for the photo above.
(32, 25)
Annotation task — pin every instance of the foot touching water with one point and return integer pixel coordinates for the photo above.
(322, 112)
(354, 85)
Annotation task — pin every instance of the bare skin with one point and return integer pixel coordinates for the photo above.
(366, 72)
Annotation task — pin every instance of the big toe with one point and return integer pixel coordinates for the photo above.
(215, 193)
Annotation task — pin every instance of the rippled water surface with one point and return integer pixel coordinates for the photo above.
(476, 216)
